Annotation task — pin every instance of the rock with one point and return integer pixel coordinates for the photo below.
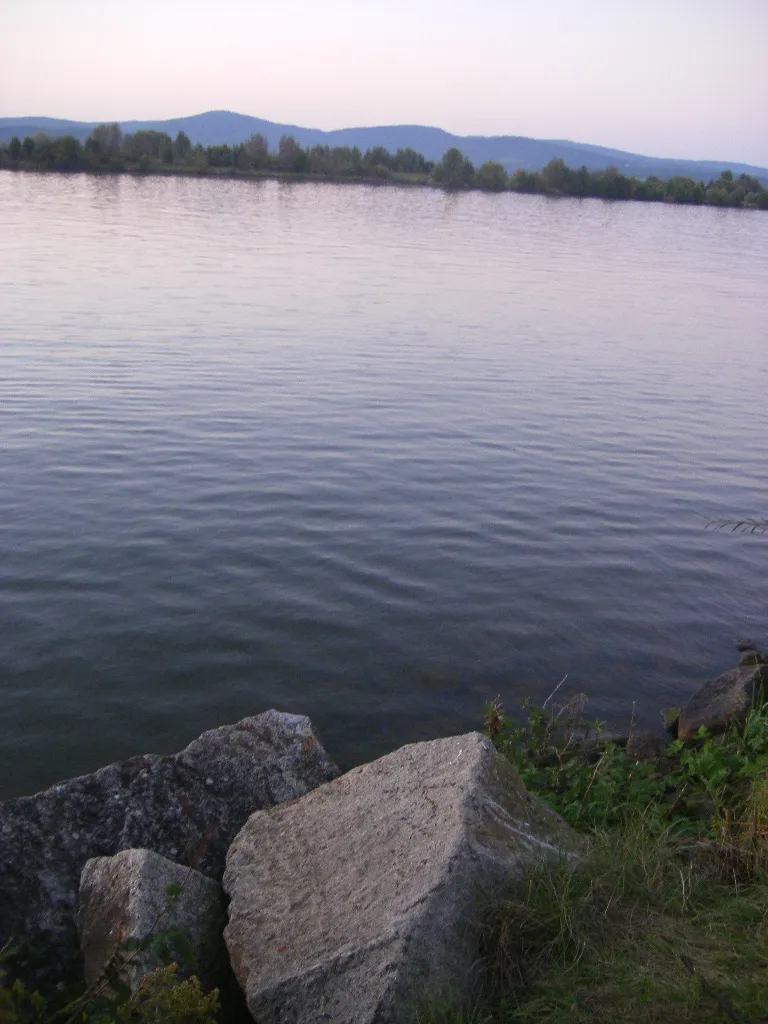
(124, 897)
(742, 644)
(347, 905)
(753, 658)
(670, 717)
(585, 735)
(186, 807)
(644, 745)
(722, 701)
(591, 750)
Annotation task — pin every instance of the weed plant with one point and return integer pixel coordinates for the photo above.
(665, 918)
(162, 997)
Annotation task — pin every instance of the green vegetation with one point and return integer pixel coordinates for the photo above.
(162, 997)
(107, 149)
(559, 179)
(666, 916)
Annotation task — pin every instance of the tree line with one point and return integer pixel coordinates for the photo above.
(147, 151)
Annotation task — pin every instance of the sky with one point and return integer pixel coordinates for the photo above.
(676, 78)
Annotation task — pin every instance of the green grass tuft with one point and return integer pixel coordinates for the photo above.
(666, 918)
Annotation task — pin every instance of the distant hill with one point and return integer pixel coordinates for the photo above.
(513, 151)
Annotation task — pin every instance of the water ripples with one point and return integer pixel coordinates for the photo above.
(371, 454)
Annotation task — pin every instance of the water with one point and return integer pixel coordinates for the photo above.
(372, 454)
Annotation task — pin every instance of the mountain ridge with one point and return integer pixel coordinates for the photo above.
(217, 127)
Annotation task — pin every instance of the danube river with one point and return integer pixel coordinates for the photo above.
(372, 454)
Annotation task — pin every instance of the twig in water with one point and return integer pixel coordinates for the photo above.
(747, 525)
(549, 698)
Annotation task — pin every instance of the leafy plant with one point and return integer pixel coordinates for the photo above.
(666, 916)
(594, 782)
(162, 995)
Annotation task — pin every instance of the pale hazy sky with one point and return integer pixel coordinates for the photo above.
(684, 78)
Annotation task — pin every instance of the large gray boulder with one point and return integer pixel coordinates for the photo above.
(187, 807)
(125, 897)
(348, 905)
(724, 701)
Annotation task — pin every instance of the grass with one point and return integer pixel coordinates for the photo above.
(666, 918)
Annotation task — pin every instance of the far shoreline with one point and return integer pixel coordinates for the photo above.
(155, 154)
(289, 178)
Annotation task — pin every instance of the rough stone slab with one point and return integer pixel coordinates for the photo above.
(348, 904)
(644, 745)
(722, 701)
(187, 807)
(124, 897)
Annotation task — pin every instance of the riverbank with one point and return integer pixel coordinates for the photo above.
(607, 878)
(154, 153)
(666, 917)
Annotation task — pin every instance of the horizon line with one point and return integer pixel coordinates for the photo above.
(374, 127)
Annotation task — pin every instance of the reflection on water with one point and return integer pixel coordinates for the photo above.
(375, 454)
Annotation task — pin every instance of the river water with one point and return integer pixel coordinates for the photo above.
(372, 454)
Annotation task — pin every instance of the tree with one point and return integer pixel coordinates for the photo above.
(491, 177)
(255, 152)
(410, 162)
(165, 149)
(319, 160)
(14, 148)
(345, 161)
(181, 147)
(681, 189)
(290, 155)
(579, 181)
(378, 157)
(611, 184)
(652, 189)
(197, 157)
(525, 181)
(556, 175)
(28, 147)
(758, 199)
(67, 153)
(454, 171)
(108, 137)
(44, 150)
(147, 143)
(219, 156)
